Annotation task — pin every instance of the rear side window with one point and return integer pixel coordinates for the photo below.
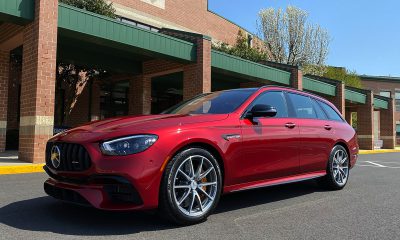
(332, 114)
(274, 99)
(302, 106)
(318, 110)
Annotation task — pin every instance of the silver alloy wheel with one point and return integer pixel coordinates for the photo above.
(195, 185)
(340, 167)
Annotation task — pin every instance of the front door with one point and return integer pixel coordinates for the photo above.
(270, 145)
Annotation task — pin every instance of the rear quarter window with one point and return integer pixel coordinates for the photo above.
(330, 112)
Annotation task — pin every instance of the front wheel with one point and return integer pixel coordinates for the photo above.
(191, 186)
(338, 169)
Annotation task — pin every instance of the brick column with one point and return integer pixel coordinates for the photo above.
(38, 81)
(4, 79)
(140, 95)
(388, 125)
(339, 99)
(365, 123)
(197, 76)
(296, 78)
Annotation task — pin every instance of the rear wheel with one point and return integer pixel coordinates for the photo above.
(191, 186)
(338, 169)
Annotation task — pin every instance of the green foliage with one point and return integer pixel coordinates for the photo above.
(354, 120)
(350, 78)
(242, 49)
(317, 70)
(96, 6)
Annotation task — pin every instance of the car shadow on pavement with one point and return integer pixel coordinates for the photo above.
(49, 215)
(265, 195)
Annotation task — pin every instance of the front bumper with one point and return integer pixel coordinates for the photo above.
(107, 192)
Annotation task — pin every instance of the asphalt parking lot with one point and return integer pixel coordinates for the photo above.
(368, 208)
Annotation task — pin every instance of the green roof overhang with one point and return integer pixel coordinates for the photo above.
(17, 11)
(247, 69)
(86, 26)
(355, 96)
(319, 86)
(380, 103)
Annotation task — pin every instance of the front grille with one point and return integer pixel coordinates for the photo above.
(74, 157)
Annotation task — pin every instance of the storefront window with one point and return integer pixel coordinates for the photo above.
(114, 100)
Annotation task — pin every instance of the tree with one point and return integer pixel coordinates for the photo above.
(97, 6)
(291, 39)
(350, 78)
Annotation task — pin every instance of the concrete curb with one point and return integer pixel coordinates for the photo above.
(19, 169)
(363, 152)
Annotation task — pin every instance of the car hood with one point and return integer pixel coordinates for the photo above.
(123, 126)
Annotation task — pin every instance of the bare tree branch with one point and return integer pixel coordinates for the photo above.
(290, 39)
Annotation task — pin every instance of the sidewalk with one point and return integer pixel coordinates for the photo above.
(9, 164)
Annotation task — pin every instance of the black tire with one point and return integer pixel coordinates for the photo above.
(330, 180)
(168, 206)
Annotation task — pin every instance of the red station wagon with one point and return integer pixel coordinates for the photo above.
(182, 160)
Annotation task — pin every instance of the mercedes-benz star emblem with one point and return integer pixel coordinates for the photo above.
(55, 156)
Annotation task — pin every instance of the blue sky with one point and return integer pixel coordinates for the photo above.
(365, 34)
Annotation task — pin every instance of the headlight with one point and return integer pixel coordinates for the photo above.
(128, 145)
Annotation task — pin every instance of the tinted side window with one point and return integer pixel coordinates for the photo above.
(332, 114)
(318, 110)
(302, 105)
(275, 99)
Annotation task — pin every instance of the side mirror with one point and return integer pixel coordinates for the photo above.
(261, 110)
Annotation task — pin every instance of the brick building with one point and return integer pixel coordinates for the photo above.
(155, 54)
(388, 87)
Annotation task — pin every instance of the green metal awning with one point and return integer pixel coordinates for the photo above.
(17, 11)
(102, 31)
(319, 86)
(354, 96)
(380, 103)
(248, 69)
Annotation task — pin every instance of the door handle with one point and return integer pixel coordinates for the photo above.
(328, 127)
(290, 125)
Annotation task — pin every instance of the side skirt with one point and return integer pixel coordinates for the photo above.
(273, 182)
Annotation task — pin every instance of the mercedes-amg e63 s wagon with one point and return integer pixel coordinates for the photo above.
(181, 161)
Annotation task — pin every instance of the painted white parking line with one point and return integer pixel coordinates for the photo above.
(376, 164)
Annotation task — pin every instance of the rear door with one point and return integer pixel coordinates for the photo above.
(315, 135)
(270, 145)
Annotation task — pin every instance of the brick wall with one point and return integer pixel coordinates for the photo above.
(140, 95)
(79, 106)
(365, 126)
(38, 81)
(296, 79)
(379, 85)
(197, 76)
(387, 126)
(194, 16)
(4, 78)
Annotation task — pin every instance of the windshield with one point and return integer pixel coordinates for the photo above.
(213, 103)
